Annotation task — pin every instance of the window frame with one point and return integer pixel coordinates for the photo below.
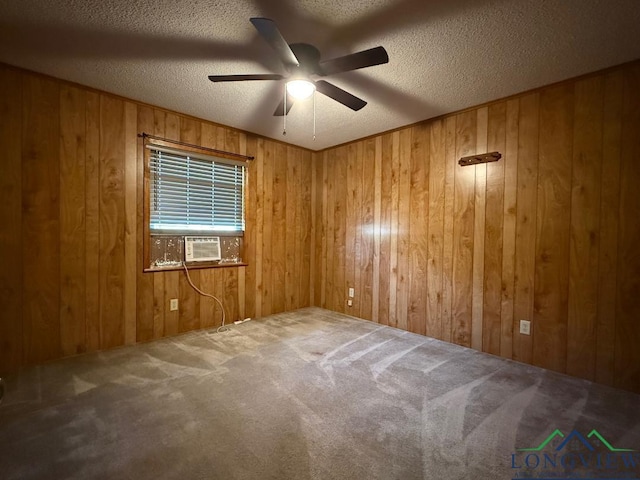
(180, 148)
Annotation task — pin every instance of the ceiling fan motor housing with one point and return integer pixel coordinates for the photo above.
(309, 58)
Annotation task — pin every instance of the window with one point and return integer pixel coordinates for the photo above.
(188, 193)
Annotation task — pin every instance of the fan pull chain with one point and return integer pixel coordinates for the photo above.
(314, 115)
(284, 116)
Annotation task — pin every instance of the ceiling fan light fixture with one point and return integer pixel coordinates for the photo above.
(300, 89)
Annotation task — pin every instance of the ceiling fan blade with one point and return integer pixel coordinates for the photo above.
(242, 78)
(280, 108)
(269, 31)
(365, 58)
(339, 95)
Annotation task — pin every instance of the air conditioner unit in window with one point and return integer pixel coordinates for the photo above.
(201, 249)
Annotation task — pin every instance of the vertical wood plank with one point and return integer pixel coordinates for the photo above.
(314, 255)
(112, 221)
(208, 306)
(157, 328)
(325, 231)
(130, 222)
(171, 290)
(306, 290)
(435, 230)
(447, 256)
(509, 228)
(493, 242)
(394, 228)
(218, 289)
(609, 208)
(377, 229)
(230, 293)
(552, 232)
(316, 227)
(479, 233)
(526, 223)
(40, 218)
(352, 245)
(339, 230)
(359, 260)
(267, 223)
(279, 229)
(292, 210)
(72, 220)
(385, 265)
(11, 326)
(366, 163)
(301, 256)
(417, 219)
(242, 293)
(403, 230)
(627, 353)
(188, 301)
(463, 220)
(329, 213)
(251, 231)
(585, 228)
(150, 297)
(92, 222)
(260, 226)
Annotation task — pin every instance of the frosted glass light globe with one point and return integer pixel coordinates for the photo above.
(300, 89)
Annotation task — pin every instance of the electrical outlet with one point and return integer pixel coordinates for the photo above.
(350, 303)
(352, 292)
(525, 327)
(173, 304)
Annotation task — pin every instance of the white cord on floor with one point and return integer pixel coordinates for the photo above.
(222, 327)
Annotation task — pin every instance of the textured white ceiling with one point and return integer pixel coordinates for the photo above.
(444, 55)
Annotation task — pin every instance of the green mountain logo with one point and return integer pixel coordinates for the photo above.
(556, 433)
(594, 433)
(577, 436)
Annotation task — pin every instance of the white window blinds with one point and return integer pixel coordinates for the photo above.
(195, 193)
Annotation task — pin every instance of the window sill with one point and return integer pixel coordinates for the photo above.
(194, 266)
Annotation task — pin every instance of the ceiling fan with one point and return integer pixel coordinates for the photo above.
(301, 61)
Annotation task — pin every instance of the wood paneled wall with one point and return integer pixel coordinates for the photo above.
(550, 233)
(71, 204)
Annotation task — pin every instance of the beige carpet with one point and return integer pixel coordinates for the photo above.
(311, 394)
